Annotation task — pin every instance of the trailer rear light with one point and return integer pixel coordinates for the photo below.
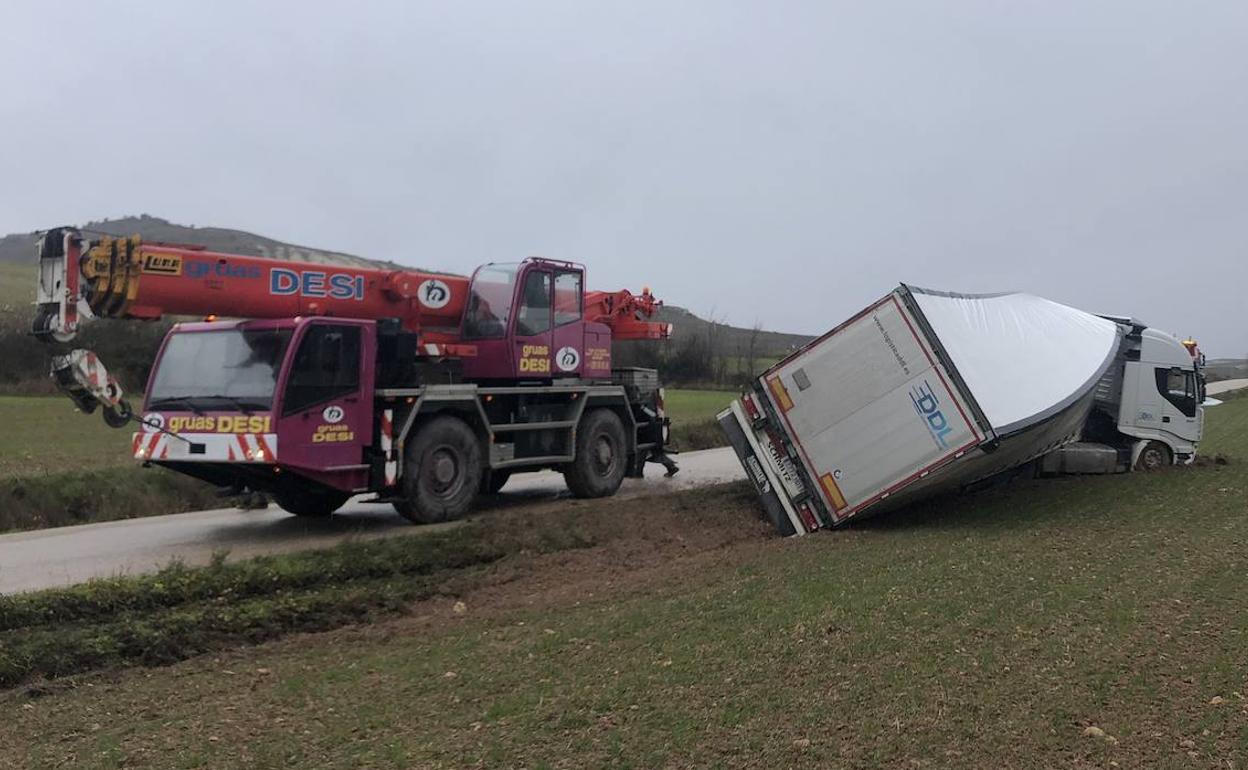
(750, 407)
(808, 516)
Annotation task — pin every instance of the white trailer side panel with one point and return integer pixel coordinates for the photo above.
(870, 409)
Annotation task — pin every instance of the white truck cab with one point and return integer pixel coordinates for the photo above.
(1147, 411)
(1161, 402)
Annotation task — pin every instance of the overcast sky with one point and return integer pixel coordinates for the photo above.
(770, 161)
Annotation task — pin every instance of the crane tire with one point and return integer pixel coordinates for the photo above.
(441, 473)
(601, 456)
(1154, 456)
(310, 503)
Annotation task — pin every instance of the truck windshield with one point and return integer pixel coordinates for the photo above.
(227, 369)
(489, 301)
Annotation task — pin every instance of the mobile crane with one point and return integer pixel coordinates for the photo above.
(423, 388)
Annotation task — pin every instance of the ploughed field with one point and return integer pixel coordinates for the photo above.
(1060, 622)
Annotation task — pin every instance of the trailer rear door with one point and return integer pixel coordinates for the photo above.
(870, 408)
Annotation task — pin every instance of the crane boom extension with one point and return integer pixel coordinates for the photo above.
(128, 278)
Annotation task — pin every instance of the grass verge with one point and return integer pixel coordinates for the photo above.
(702, 434)
(63, 499)
(183, 611)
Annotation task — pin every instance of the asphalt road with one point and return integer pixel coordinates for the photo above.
(1215, 388)
(67, 555)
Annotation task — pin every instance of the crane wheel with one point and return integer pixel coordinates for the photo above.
(441, 473)
(601, 456)
(1155, 456)
(310, 503)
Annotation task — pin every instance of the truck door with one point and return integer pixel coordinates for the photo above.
(569, 335)
(326, 416)
(1180, 414)
(534, 316)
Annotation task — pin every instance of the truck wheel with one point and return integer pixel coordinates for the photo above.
(311, 503)
(1156, 455)
(601, 454)
(492, 482)
(441, 472)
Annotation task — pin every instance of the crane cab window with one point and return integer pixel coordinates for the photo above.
(489, 302)
(1179, 388)
(326, 366)
(535, 309)
(567, 298)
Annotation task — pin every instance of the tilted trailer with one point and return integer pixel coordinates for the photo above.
(927, 391)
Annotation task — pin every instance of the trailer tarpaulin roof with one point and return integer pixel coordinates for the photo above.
(1024, 358)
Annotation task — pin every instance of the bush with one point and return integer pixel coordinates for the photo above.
(703, 434)
(63, 499)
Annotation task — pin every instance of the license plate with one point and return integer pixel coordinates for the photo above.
(784, 467)
(756, 471)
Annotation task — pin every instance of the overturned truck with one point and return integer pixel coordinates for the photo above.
(927, 391)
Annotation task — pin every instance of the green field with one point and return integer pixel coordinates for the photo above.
(689, 406)
(17, 287)
(1073, 622)
(48, 435)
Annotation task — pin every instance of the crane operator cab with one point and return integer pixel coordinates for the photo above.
(527, 321)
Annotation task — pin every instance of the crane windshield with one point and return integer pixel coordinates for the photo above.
(220, 369)
(489, 301)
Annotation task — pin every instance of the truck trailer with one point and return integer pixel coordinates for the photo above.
(927, 391)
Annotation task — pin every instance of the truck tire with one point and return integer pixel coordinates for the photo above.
(310, 503)
(441, 472)
(601, 456)
(1155, 456)
(493, 482)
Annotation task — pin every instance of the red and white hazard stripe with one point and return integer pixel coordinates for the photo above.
(91, 364)
(151, 446)
(210, 447)
(387, 447)
(253, 447)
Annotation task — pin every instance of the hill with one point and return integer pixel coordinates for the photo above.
(20, 247)
(1226, 368)
(735, 339)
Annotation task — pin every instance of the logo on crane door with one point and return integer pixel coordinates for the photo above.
(567, 359)
(433, 294)
(333, 414)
